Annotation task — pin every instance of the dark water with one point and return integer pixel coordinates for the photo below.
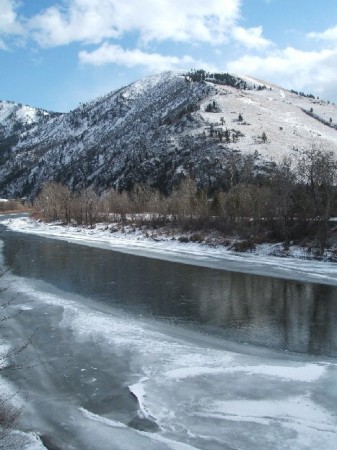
(268, 312)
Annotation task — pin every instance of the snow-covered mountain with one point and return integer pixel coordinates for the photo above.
(14, 116)
(158, 129)
(15, 119)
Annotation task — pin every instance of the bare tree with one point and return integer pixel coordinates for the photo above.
(118, 204)
(55, 201)
(91, 206)
(47, 202)
(183, 200)
(283, 182)
(145, 199)
(317, 170)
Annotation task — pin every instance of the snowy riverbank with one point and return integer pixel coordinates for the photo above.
(261, 261)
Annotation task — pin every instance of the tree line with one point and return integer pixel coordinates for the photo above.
(291, 201)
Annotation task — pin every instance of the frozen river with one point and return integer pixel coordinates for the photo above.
(138, 353)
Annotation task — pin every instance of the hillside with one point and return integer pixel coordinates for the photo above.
(15, 121)
(157, 130)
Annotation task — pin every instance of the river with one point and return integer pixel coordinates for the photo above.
(131, 352)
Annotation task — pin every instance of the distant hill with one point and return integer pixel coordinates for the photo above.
(157, 130)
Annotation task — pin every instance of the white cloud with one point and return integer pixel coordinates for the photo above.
(109, 23)
(251, 37)
(328, 35)
(154, 20)
(81, 21)
(292, 68)
(3, 46)
(9, 23)
(108, 53)
(289, 61)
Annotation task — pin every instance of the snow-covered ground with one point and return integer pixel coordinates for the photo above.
(277, 112)
(260, 261)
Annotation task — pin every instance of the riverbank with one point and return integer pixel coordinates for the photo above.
(265, 259)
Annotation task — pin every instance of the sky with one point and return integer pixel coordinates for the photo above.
(56, 54)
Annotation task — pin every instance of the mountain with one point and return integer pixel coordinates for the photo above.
(157, 130)
(16, 119)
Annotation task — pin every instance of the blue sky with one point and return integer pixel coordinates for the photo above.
(55, 54)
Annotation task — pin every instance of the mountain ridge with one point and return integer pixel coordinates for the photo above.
(157, 131)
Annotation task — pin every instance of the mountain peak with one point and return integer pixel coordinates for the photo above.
(158, 129)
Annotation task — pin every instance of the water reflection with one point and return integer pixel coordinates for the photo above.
(266, 311)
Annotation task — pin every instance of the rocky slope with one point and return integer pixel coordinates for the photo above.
(157, 130)
(15, 120)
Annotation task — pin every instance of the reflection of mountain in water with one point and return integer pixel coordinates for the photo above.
(299, 317)
(270, 312)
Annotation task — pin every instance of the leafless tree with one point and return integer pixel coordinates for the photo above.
(283, 182)
(317, 170)
(55, 201)
(117, 204)
(91, 206)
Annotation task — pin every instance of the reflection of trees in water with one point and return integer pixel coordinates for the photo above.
(273, 312)
(266, 311)
(323, 320)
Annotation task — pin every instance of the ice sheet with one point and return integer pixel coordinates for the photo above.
(294, 267)
(200, 395)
